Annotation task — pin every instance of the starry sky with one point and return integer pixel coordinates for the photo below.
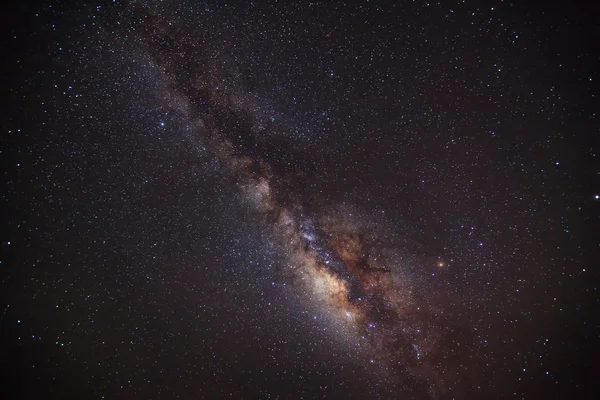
(299, 200)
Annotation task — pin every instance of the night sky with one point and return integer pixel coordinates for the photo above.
(300, 200)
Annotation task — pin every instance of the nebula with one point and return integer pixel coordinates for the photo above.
(343, 265)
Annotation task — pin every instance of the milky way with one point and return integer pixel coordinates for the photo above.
(340, 259)
(383, 200)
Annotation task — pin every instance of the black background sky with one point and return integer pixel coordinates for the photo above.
(133, 266)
